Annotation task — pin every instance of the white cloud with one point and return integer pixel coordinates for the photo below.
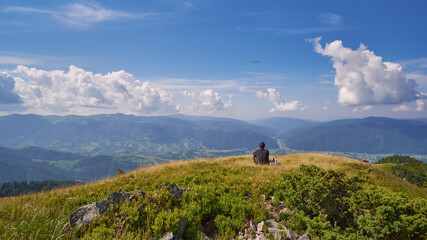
(208, 101)
(414, 63)
(362, 108)
(13, 60)
(327, 105)
(331, 19)
(421, 105)
(273, 96)
(7, 84)
(362, 78)
(81, 92)
(401, 108)
(81, 14)
(419, 77)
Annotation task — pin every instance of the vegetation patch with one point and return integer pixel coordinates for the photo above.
(328, 197)
(407, 168)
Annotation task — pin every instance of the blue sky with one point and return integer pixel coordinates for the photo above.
(239, 59)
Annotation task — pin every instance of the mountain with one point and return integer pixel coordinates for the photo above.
(16, 167)
(36, 164)
(316, 195)
(284, 124)
(368, 135)
(119, 133)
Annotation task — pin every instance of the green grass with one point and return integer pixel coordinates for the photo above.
(223, 180)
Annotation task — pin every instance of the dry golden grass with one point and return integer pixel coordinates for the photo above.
(43, 215)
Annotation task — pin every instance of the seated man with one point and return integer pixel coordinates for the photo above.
(261, 155)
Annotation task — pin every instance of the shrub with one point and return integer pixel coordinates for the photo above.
(330, 205)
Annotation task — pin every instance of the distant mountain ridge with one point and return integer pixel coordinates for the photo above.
(284, 124)
(367, 135)
(116, 133)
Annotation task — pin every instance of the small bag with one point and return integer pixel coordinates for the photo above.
(273, 161)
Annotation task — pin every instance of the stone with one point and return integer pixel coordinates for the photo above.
(286, 210)
(174, 189)
(272, 223)
(84, 215)
(304, 236)
(118, 197)
(260, 237)
(167, 236)
(292, 235)
(260, 226)
(141, 208)
(182, 226)
(277, 236)
(204, 236)
(275, 230)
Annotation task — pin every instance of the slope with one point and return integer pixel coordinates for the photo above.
(224, 194)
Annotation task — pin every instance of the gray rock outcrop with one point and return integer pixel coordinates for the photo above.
(174, 189)
(86, 214)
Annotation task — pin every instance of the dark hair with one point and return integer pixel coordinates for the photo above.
(262, 145)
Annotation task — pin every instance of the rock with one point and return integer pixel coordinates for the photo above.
(174, 189)
(204, 236)
(85, 214)
(275, 230)
(260, 237)
(275, 215)
(286, 211)
(167, 236)
(182, 226)
(118, 197)
(282, 206)
(141, 208)
(304, 236)
(292, 235)
(272, 223)
(260, 226)
(277, 236)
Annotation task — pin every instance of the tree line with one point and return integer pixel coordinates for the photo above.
(9, 189)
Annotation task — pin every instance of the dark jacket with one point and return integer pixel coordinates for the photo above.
(261, 156)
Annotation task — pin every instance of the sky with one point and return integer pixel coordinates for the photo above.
(309, 59)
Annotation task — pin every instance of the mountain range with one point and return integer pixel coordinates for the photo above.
(181, 136)
(367, 135)
(92, 147)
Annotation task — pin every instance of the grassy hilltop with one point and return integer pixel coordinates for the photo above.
(336, 198)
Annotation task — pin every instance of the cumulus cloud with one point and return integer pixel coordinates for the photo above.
(83, 92)
(401, 108)
(273, 96)
(80, 14)
(421, 103)
(7, 84)
(362, 108)
(362, 78)
(208, 100)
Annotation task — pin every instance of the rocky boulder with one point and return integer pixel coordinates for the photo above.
(87, 213)
(174, 189)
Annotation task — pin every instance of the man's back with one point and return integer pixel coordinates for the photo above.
(261, 156)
